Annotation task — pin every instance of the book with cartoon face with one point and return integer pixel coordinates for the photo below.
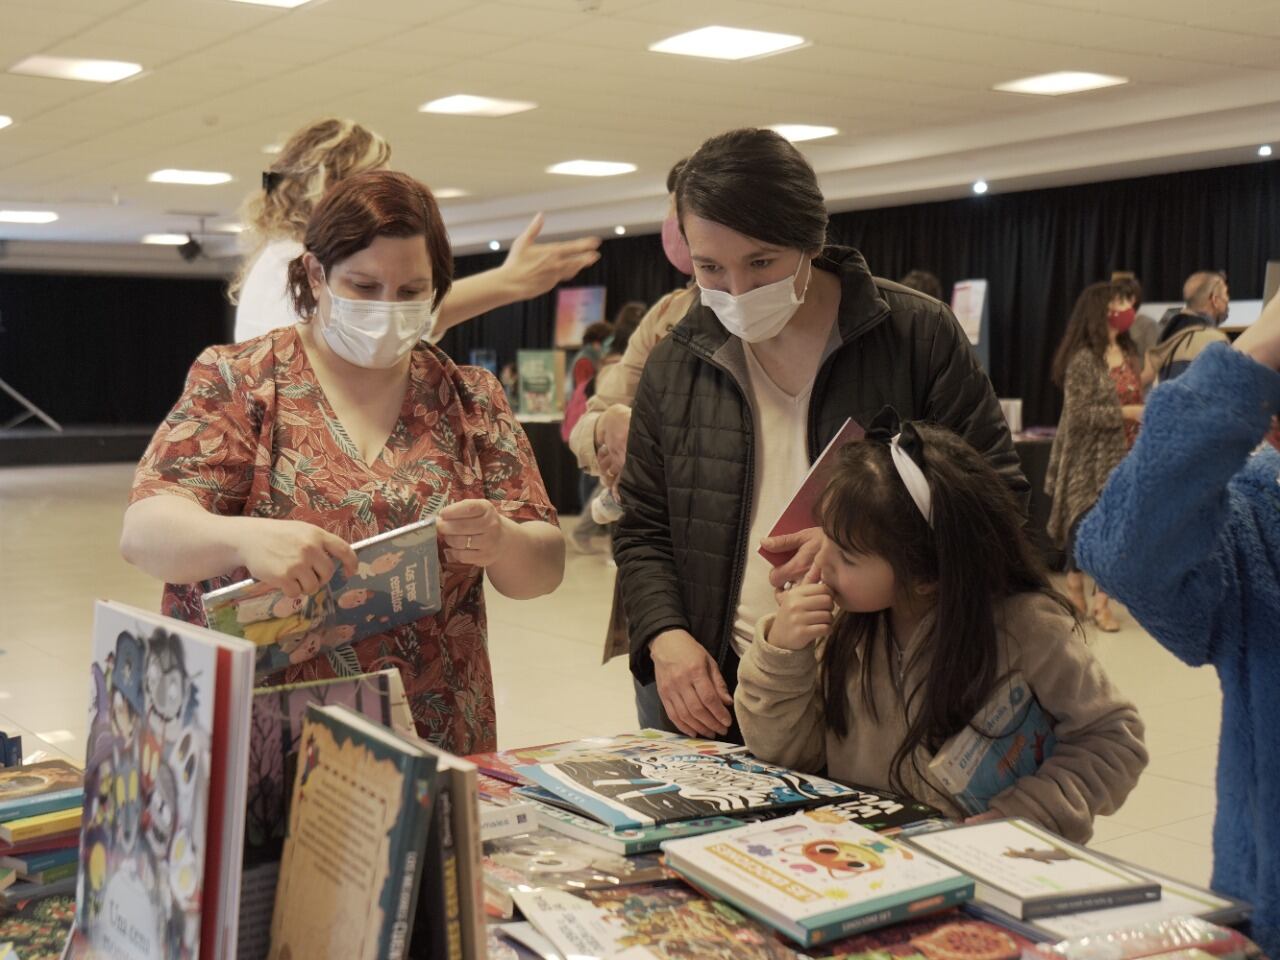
(643, 791)
(397, 582)
(817, 881)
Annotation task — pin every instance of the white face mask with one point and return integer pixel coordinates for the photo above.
(375, 333)
(758, 314)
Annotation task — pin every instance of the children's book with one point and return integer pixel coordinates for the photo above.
(39, 788)
(397, 582)
(279, 714)
(877, 810)
(29, 864)
(626, 842)
(41, 826)
(357, 836)
(649, 790)
(1028, 872)
(1177, 899)
(541, 374)
(1009, 739)
(38, 928)
(543, 858)
(801, 511)
(949, 935)
(24, 890)
(816, 881)
(164, 793)
(518, 941)
(62, 841)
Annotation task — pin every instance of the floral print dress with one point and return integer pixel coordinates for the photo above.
(254, 435)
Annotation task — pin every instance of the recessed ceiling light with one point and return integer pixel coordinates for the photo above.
(166, 239)
(198, 178)
(799, 132)
(620, 230)
(466, 105)
(5, 121)
(980, 186)
(76, 68)
(230, 228)
(495, 246)
(1264, 150)
(272, 148)
(591, 168)
(449, 193)
(27, 216)
(275, 3)
(1064, 81)
(727, 43)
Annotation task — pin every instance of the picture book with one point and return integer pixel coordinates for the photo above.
(576, 309)
(1028, 872)
(648, 790)
(277, 721)
(541, 374)
(164, 788)
(39, 788)
(800, 513)
(877, 810)
(1009, 739)
(437, 930)
(949, 935)
(502, 764)
(543, 858)
(30, 864)
(40, 826)
(626, 842)
(356, 841)
(397, 582)
(1177, 899)
(38, 928)
(817, 881)
(24, 890)
(505, 818)
(518, 941)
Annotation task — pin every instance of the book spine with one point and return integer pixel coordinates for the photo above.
(883, 918)
(585, 802)
(51, 874)
(497, 820)
(1080, 903)
(40, 826)
(604, 839)
(438, 932)
(69, 799)
(407, 875)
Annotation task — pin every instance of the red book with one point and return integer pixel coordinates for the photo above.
(799, 514)
(41, 844)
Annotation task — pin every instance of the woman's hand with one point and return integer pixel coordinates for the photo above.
(805, 614)
(612, 429)
(474, 532)
(805, 543)
(295, 557)
(532, 268)
(693, 692)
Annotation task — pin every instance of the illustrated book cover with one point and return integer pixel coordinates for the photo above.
(1028, 872)
(817, 881)
(397, 582)
(541, 377)
(39, 788)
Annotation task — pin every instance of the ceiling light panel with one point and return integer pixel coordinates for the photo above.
(727, 43)
(465, 104)
(76, 68)
(1060, 83)
(800, 132)
(27, 216)
(591, 168)
(195, 178)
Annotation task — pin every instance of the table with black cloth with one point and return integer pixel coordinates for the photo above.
(556, 462)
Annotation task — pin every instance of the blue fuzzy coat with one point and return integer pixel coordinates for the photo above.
(1187, 535)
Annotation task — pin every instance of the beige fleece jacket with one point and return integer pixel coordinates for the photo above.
(1099, 754)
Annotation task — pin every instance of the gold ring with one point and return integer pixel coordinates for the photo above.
(468, 547)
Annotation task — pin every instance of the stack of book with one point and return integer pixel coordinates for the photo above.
(40, 811)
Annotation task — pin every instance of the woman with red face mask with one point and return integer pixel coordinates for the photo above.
(1097, 366)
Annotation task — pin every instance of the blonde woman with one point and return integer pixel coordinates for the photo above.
(327, 152)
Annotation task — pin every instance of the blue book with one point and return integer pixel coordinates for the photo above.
(397, 582)
(643, 791)
(39, 788)
(34, 863)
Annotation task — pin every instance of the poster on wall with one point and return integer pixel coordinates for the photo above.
(576, 309)
(969, 303)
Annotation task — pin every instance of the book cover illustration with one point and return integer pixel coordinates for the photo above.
(658, 921)
(877, 810)
(576, 309)
(817, 881)
(626, 842)
(146, 791)
(543, 858)
(356, 841)
(502, 764)
(39, 788)
(800, 513)
(397, 582)
(949, 935)
(1009, 739)
(541, 374)
(38, 928)
(275, 736)
(650, 790)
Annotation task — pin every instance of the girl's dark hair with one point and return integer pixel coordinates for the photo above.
(358, 210)
(975, 554)
(755, 182)
(1087, 328)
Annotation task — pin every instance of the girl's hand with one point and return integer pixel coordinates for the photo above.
(474, 532)
(294, 557)
(805, 613)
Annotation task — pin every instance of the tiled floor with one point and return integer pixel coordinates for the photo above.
(58, 534)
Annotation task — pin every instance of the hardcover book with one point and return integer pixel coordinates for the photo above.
(356, 841)
(877, 810)
(397, 582)
(1009, 739)
(949, 935)
(814, 881)
(40, 826)
(541, 374)
(164, 792)
(645, 791)
(1028, 872)
(626, 842)
(39, 788)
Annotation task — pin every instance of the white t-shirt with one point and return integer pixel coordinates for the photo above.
(264, 298)
(781, 463)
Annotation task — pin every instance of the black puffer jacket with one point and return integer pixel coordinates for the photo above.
(687, 484)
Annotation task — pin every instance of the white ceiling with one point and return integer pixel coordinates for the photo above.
(908, 82)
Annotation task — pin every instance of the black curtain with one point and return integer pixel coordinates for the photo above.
(91, 349)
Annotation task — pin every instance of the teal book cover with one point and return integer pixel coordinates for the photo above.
(39, 788)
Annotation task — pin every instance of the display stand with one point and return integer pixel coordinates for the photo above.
(31, 411)
(969, 304)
